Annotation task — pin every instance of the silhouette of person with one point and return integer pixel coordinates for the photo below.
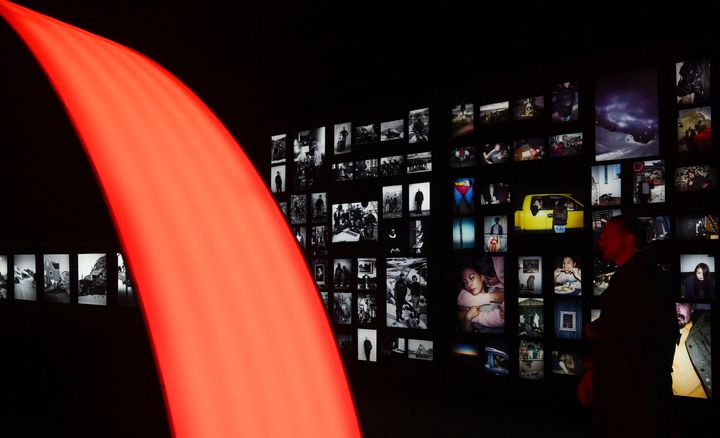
(628, 374)
(278, 182)
(367, 345)
(419, 198)
(400, 290)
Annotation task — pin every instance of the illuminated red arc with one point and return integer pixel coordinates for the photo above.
(239, 333)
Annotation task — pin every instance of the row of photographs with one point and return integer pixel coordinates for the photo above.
(93, 281)
(345, 136)
(697, 275)
(390, 348)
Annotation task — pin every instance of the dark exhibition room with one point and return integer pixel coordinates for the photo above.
(535, 189)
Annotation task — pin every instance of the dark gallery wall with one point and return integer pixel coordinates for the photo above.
(88, 370)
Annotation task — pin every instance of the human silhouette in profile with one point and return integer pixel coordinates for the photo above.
(628, 374)
(367, 345)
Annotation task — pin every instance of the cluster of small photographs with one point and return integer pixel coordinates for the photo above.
(350, 287)
(528, 149)
(55, 285)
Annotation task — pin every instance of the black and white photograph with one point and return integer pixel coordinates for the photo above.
(566, 145)
(495, 237)
(319, 205)
(657, 227)
(698, 227)
(300, 233)
(529, 149)
(393, 237)
(366, 274)
(565, 102)
(462, 120)
(354, 222)
(342, 172)
(694, 130)
(392, 166)
(367, 134)
(696, 178)
(649, 182)
(308, 156)
(566, 362)
(420, 162)
(298, 209)
(697, 273)
(319, 240)
(419, 199)
(496, 153)
(367, 345)
(393, 346)
(406, 281)
(319, 270)
(602, 273)
(278, 149)
(365, 169)
(342, 307)
(277, 179)
(463, 233)
(496, 360)
(392, 130)
(626, 116)
(606, 185)
(366, 309)
(342, 273)
(492, 113)
(343, 138)
(568, 319)
(530, 275)
(531, 319)
(531, 360)
(419, 125)
(345, 345)
(495, 193)
(692, 82)
(56, 278)
(463, 156)
(92, 279)
(325, 299)
(4, 291)
(418, 235)
(528, 108)
(392, 197)
(125, 285)
(283, 207)
(420, 349)
(25, 277)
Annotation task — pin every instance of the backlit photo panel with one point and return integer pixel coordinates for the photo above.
(355, 221)
(694, 130)
(367, 345)
(420, 349)
(125, 285)
(566, 145)
(462, 120)
(419, 199)
(494, 113)
(649, 182)
(531, 319)
(392, 166)
(568, 319)
(343, 138)
(463, 195)
(92, 279)
(697, 273)
(25, 277)
(419, 162)
(392, 130)
(528, 108)
(606, 185)
(692, 363)
(495, 234)
(4, 289)
(698, 227)
(532, 359)
(530, 276)
(406, 282)
(700, 178)
(565, 102)
(367, 274)
(463, 233)
(309, 156)
(480, 289)
(392, 197)
(278, 149)
(463, 156)
(419, 125)
(692, 82)
(277, 179)
(342, 307)
(56, 278)
(626, 116)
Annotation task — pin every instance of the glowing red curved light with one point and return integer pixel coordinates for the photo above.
(239, 332)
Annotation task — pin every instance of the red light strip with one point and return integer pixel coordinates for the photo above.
(239, 332)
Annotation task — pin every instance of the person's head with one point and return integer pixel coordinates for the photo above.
(684, 313)
(566, 84)
(497, 220)
(497, 146)
(568, 263)
(473, 281)
(278, 172)
(537, 202)
(623, 236)
(691, 175)
(402, 276)
(702, 271)
(414, 278)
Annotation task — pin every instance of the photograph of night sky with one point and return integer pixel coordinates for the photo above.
(626, 116)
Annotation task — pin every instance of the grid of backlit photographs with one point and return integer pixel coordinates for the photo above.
(364, 204)
(84, 278)
(512, 214)
(529, 179)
